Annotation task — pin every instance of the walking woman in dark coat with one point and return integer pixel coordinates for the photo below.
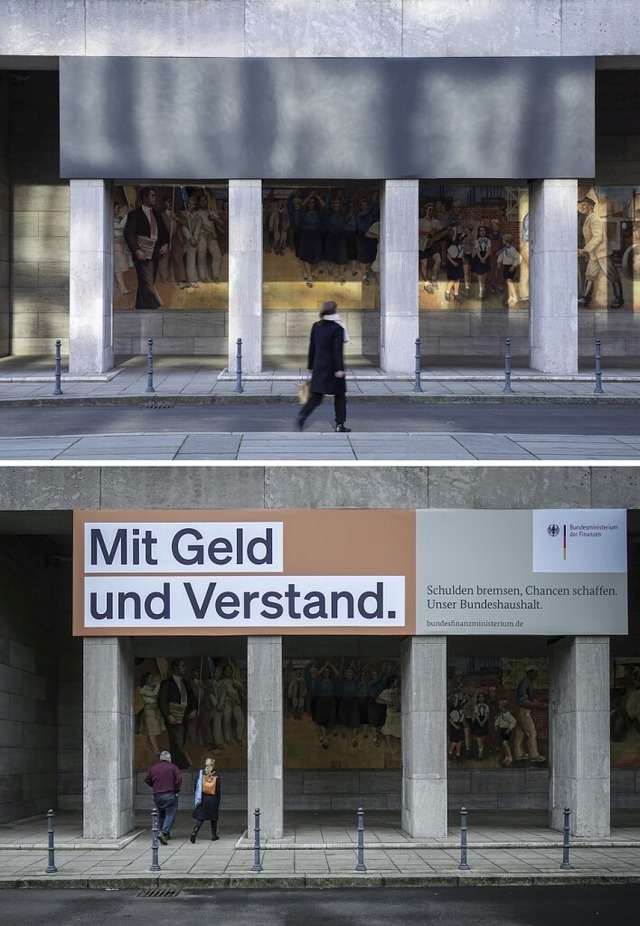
(207, 799)
(326, 366)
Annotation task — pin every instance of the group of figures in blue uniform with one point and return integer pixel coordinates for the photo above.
(327, 229)
(348, 704)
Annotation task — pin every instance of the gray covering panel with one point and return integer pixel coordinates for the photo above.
(347, 118)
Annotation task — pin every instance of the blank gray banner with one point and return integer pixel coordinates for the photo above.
(347, 118)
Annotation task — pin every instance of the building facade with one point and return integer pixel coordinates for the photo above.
(77, 694)
(443, 143)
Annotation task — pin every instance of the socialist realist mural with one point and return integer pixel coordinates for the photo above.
(346, 714)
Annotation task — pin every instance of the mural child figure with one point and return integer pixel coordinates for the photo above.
(509, 259)
(455, 728)
(479, 721)
(505, 723)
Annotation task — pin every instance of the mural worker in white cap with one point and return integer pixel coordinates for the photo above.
(526, 700)
(166, 780)
(600, 259)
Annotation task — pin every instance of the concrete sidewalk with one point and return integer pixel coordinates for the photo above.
(189, 379)
(319, 446)
(316, 851)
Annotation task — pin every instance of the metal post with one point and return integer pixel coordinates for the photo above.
(507, 367)
(566, 866)
(154, 842)
(150, 388)
(51, 867)
(256, 841)
(598, 390)
(360, 866)
(463, 866)
(58, 388)
(238, 387)
(416, 386)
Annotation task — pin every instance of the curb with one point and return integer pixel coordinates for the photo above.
(312, 882)
(158, 401)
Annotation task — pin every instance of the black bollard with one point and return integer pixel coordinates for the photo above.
(566, 865)
(155, 866)
(464, 865)
(150, 389)
(238, 387)
(57, 390)
(361, 866)
(256, 841)
(51, 867)
(416, 386)
(507, 367)
(598, 390)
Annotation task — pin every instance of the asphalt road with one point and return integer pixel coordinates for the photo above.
(571, 905)
(370, 417)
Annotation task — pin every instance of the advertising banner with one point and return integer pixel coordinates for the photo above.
(548, 572)
(244, 572)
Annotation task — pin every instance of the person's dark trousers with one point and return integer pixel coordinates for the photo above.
(177, 736)
(167, 805)
(196, 830)
(147, 296)
(339, 403)
(310, 405)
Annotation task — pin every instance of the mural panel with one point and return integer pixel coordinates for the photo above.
(608, 247)
(497, 712)
(170, 246)
(193, 708)
(341, 715)
(321, 243)
(625, 712)
(473, 246)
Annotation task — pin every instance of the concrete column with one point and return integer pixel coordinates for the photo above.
(90, 277)
(108, 737)
(553, 281)
(399, 276)
(264, 735)
(580, 747)
(245, 273)
(424, 736)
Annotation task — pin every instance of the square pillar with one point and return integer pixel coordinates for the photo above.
(265, 735)
(424, 736)
(245, 273)
(580, 746)
(553, 276)
(90, 277)
(108, 737)
(399, 276)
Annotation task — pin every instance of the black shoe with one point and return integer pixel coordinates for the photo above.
(298, 424)
(192, 838)
(163, 839)
(342, 429)
(215, 837)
